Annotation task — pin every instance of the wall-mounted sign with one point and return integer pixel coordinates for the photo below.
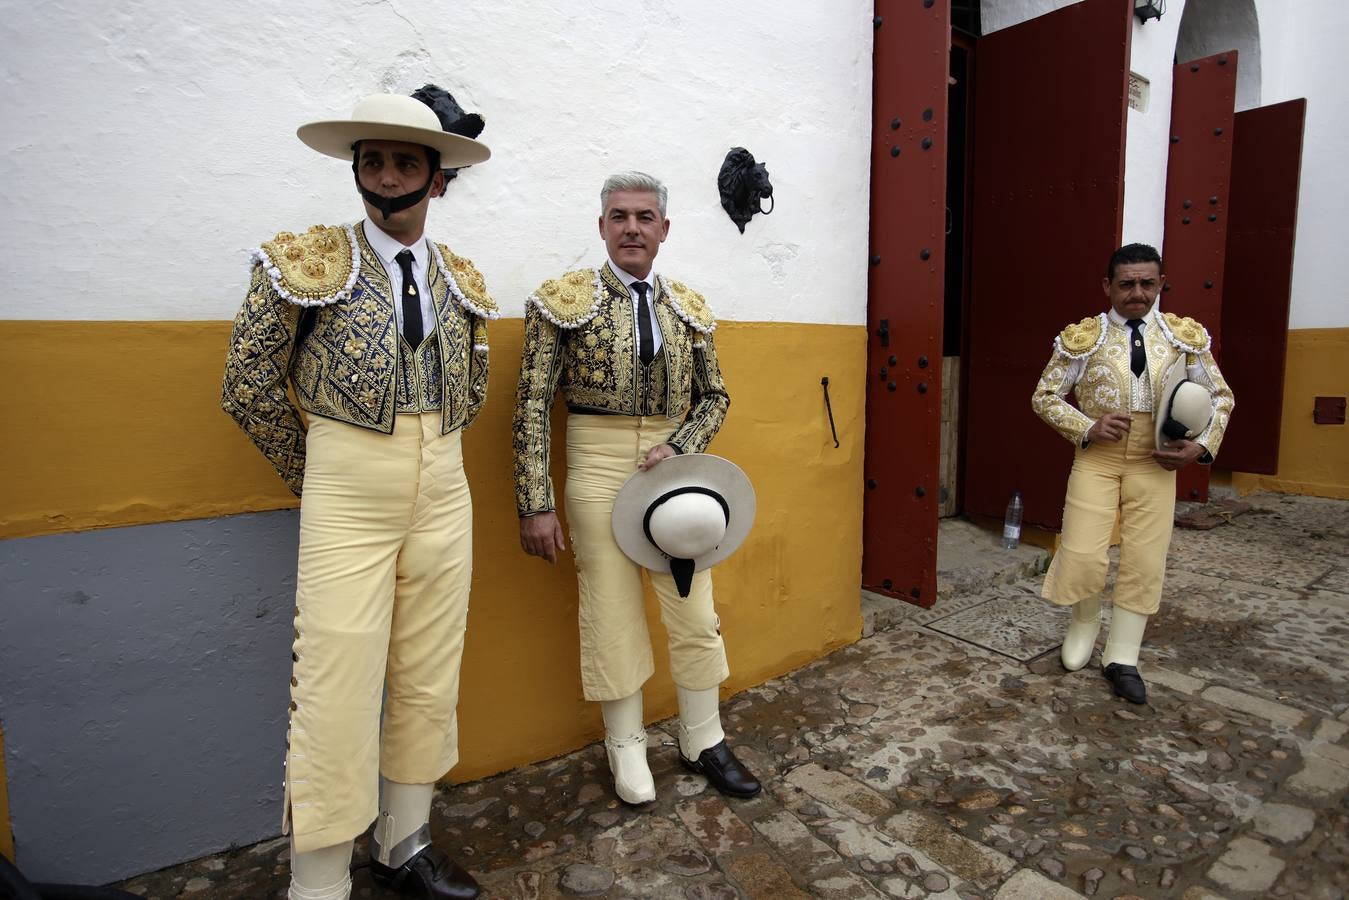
(1139, 88)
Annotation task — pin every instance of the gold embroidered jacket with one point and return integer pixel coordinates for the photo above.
(1091, 359)
(350, 363)
(580, 335)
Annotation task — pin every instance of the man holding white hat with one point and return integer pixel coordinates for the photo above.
(632, 352)
(1150, 401)
(382, 336)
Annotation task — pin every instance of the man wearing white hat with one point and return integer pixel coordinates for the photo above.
(632, 352)
(1150, 401)
(382, 336)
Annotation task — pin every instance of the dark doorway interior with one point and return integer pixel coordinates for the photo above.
(956, 289)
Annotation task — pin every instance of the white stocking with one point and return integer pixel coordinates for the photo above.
(699, 721)
(1083, 628)
(1126, 637)
(625, 743)
(403, 810)
(322, 874)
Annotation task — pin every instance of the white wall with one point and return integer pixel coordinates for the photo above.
(1303, 50)
(147, 146)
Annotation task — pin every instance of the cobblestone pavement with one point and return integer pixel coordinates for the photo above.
(921, 763)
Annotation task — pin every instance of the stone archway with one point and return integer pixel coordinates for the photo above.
(1212, 26)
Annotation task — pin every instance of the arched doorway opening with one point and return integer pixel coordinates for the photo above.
(1214, 26)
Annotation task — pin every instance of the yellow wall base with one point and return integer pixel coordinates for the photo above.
(1313, 459)
(118, 423)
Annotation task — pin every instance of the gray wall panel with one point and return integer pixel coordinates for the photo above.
(158, 653)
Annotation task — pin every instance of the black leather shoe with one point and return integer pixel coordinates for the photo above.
(1127, 682)
(723, 771)
(430, 874)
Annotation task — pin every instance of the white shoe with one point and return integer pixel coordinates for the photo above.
(632, 776)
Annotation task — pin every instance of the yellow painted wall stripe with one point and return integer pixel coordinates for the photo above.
(119, 424)
(1313, 459)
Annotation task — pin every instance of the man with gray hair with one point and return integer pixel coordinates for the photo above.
(632, 353)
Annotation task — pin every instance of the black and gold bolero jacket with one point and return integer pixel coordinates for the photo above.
(580, 335)
(328, 287)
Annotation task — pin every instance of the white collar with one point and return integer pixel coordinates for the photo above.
(629, 279)
(387, 247)
(1147, 320)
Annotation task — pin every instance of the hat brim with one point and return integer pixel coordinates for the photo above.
(334, 137)
(1175, 377)
(688, 470)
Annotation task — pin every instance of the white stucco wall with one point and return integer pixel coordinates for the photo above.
(1303, 45)
(149, 146)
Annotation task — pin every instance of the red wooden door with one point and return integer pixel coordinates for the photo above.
(904, 302)
(1049, 120)
(1258, 279)
(1198, 179)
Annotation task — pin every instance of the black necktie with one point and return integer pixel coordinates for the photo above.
(412, 301)
(646, 343)
(1138, 357)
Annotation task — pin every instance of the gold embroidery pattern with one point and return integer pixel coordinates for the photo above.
(691, 306)
(1083, 338)
(593, 359)
(573, 299)
(315, 268)
(468, 286)
(1224, 402)
(1186, 334)
(1048, 402)
(1106, 381)
(254, 390)
(348, 367)
(710, 403)
(477, 371)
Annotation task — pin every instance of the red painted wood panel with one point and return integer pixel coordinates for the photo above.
(1258, 279)
(904, 305)
(1198, 179)
(1049, 114)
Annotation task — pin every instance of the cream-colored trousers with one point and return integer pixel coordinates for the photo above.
(602, 452)
(1109, 479)
(386, 554)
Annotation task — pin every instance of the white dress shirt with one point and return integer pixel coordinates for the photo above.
(650, 281)
(386, 248)
(1140, 386)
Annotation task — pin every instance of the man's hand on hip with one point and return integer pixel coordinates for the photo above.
(1175, 455)
(655, 455)
(541, 535)
(1110, 428)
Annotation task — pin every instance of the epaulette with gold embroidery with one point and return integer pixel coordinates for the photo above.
(1185, 334)
(315, 268)
(690, 305)
(466, 283)
(572, 300)
(1082, 338)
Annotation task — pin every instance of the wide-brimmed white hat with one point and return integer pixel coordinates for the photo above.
(392, 117)
(1185, 409)
(683, 515)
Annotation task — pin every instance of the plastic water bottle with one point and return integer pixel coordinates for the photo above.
(1011, 523)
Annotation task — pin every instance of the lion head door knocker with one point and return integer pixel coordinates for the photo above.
(743, 184)
(452, 118)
